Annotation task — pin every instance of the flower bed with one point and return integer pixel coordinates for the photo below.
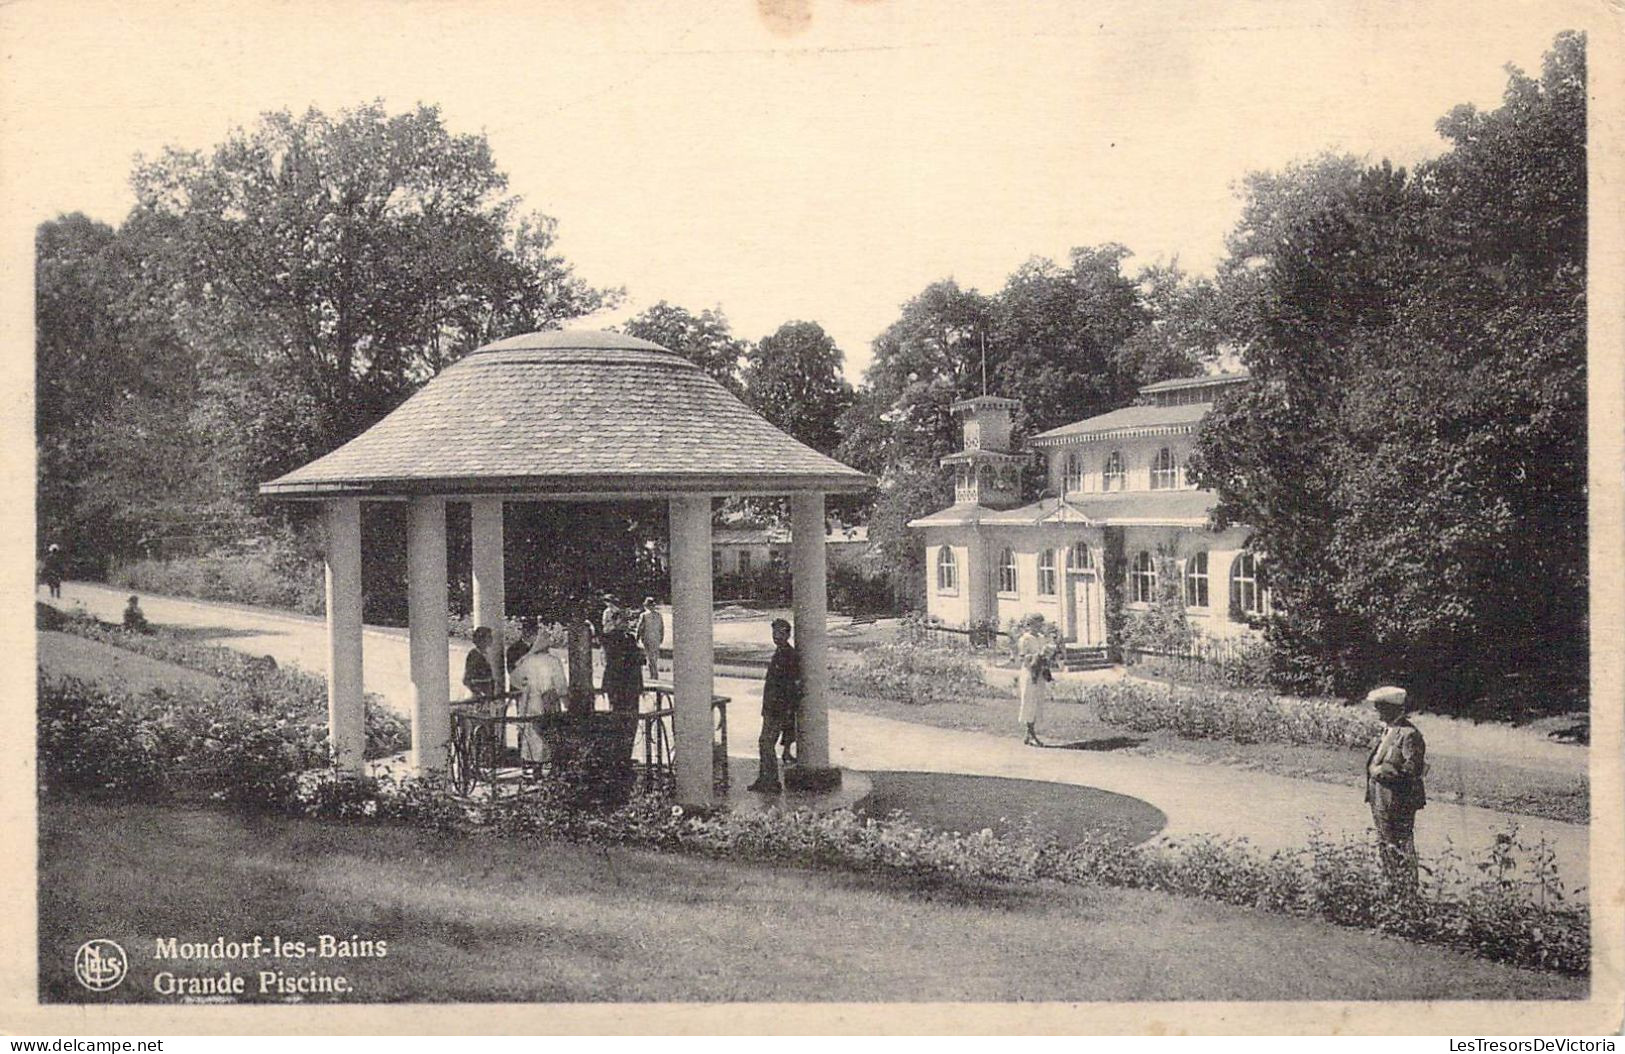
(1243, 717)
(1507, 906)
(295, 691)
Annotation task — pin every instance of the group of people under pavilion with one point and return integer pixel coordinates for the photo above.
(579, 416)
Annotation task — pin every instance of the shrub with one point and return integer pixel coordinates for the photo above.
(1477, 906)
(851, 592)
(268, 572)
(94, 744)
(462, 626)
(301, 695)
(1242, 717)
(239, 743)
(1245, 662)
(912, 670)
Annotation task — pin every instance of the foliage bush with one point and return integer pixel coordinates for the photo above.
(239, 743)
(302, 695)
(1489, 906)
(851, 592)
(1238, 716)
(1244, 662)
(264, 571)
(912, 669)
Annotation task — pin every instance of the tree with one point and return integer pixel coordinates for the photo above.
(351, 257)
(111, 394)
(1058, 331)
(1412, 450)
(1183, 329)
(900, 424)
(793, 378)
(704, 339)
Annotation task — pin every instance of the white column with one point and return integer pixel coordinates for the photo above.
(426, 621)
(346, 702)
(810, 600)
(691, 646)
(490, 596)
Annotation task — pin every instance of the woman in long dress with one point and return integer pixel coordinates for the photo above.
(542, 685)
(1032, 650)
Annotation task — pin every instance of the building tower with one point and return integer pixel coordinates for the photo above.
(986, 472)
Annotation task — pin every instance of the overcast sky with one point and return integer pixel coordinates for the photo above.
(819, 160)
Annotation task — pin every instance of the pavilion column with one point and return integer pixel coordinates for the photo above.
(810, 599)
(427, 637)
(691, 646)
(346, 702)
(490, 595)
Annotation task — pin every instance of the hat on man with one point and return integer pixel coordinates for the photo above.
(1388, 695)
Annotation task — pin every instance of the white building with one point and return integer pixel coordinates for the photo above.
(1119, 513)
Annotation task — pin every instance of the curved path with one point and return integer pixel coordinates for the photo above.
(1272, 812)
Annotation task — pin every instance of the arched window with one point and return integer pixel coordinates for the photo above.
(1143, 578)
(984, 478)
(1079, 557)
(947, 570)
(1247, 594)
(1074, 472)
(1196, 580)
(1164, 470)
(1111, 477)
(1007, 571)
(1046, 573)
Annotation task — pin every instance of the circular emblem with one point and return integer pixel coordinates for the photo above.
(100, 965)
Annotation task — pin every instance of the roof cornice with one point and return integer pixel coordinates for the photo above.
(1079, 438)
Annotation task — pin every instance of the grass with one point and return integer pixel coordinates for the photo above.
(1493, 781)
(477, 919)
(1011, 807)
(113, 667)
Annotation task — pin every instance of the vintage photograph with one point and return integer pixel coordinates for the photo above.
(809, 502)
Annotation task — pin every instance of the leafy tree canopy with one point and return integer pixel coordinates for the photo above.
(704, 339)
(1411, 452)
(793, 378)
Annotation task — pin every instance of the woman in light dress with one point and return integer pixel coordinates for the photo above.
(1033, 652)
(540, 679)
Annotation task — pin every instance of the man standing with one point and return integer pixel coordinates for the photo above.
(651, 634)
(477, 676)
(781, 698)
(1393, 787)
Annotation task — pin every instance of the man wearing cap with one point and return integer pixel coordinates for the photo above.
(1393, 787)
(781, 699)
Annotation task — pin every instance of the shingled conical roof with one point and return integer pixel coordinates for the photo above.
(575, 413)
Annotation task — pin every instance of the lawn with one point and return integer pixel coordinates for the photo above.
(472, 918)
(91, 660)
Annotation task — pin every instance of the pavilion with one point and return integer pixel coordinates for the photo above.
(571, 415)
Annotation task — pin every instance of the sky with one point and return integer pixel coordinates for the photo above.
(785, 159)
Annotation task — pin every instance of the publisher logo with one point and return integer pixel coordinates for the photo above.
(100, 965)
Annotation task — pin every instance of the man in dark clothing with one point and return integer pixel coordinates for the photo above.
(781, 699)
(53, 570)
(1393, 787)
(477, 676)
(623, 664)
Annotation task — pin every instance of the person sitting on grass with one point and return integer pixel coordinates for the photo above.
(135, 621)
